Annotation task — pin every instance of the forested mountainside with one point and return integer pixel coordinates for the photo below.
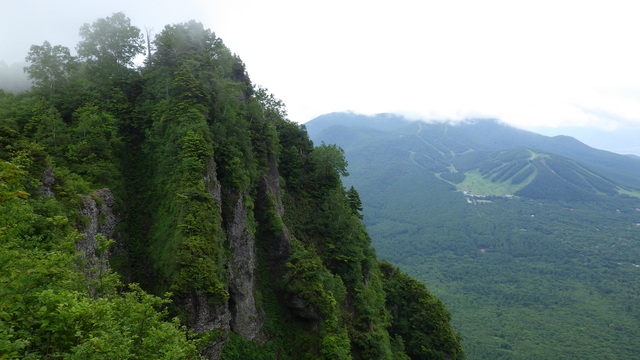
(496, 151)
(172, 211)
(531, 241)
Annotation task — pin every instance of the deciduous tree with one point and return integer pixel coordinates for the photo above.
(110, 44)
(49, 65)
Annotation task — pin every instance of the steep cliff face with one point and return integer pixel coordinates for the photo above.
(225, 205)
(204, 313)
(246, 319)
(205, 318)
(271, 200)
(240, 314)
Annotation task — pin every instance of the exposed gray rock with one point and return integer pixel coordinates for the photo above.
(246, 320)
(203, 317)
(272, 182)
(270, 186)
(211, 183)
(48, 179)
(97, 209)
(237, 314)
(241, 314)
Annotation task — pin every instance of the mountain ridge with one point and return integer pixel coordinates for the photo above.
(446, 143)
(527, 245)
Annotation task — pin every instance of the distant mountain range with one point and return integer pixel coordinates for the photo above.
(621, 140)
(487, 157)
(531, 241)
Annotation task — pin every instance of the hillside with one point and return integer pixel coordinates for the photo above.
(172, 211)
(530, 240)
(451, 151)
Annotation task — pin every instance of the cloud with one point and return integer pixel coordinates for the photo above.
(528, 63)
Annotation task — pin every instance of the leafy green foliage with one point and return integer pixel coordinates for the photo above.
(294, 157)
(199, 258)
(207, 175)
(329, 164)
(419, 318)
(110, 43)
(48, 127)
(354, 201)
(50, 309)
(94, 144)
(308, 280)
(50, 65)
(331, 227)
(238, 348)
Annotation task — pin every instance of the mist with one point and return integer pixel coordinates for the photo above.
(435, 59)
(31, 22)
(13, 78)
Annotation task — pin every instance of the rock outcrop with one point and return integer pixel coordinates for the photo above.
(48, 179)
(240, 314)
(100, 220)
(203, 317)
(246, 320)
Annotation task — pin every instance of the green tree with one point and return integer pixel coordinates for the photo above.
(329, 164)
(95, 144)
(50, 66)
(110, 45)
(419, 318)
(48, 127)
(191, 41)
(354, 201)
(307, 279)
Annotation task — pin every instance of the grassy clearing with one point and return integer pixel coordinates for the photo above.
(477, 184)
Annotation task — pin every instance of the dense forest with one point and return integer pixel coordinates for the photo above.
(536, 254)
(169, 210)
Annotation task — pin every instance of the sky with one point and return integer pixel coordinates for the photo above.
(555, 67)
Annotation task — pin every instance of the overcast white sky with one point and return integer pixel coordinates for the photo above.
(528, 63)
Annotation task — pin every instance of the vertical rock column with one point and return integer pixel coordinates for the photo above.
(247, 321)
(202, 315)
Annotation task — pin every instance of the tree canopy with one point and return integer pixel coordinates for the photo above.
(172, 211)
(49, 65)
(110, 42)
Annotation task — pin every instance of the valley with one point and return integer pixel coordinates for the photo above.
(533, 252)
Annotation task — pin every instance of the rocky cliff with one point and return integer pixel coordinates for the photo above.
(224, 207)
